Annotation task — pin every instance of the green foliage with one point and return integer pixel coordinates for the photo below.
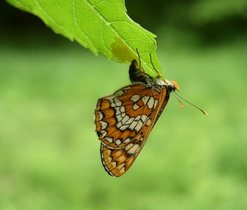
(210, 10)
(101, 26)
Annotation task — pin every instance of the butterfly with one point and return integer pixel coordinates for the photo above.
(125, 119)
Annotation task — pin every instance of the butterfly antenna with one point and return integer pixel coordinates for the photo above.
(179, 101)
(156, 70)
(181, 104)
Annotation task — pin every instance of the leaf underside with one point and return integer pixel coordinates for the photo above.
(100, 25)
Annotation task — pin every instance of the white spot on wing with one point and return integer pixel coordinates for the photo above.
(155, 103)
(117, 110)
(145, 99)
(123, 127)
(135, 98)
(100, 115)
(113, 104)
(130, 120)
(138, 117)
(138, 126)
(136, 106)
(125, 119)
(119, 124)
(104, 133)
(150, 103)
(118, 141)
(122, 109)
(143, 118)
(132, 125)
(129, 146)
(108, 139)
(127, 140)
(103, 124)
(133, 149)
(119, 118)
(117, 102)
(119, 93)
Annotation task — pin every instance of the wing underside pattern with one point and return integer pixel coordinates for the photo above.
(124, 121)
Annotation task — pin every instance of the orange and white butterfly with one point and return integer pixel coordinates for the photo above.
(125, 119)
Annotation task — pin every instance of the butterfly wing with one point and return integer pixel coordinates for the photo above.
(121, 116)
(117, 161)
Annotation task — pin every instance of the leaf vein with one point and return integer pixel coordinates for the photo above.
(77, 25)
(103, 39)
(109, 24)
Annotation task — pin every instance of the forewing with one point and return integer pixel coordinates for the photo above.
(117, 161)
(121, 116)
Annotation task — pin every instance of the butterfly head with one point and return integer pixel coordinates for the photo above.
(172, 85)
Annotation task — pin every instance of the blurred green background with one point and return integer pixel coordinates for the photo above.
(49, 86)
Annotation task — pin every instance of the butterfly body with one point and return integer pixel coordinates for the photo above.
(125, 119)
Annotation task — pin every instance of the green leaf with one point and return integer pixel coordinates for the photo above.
(100, 25)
